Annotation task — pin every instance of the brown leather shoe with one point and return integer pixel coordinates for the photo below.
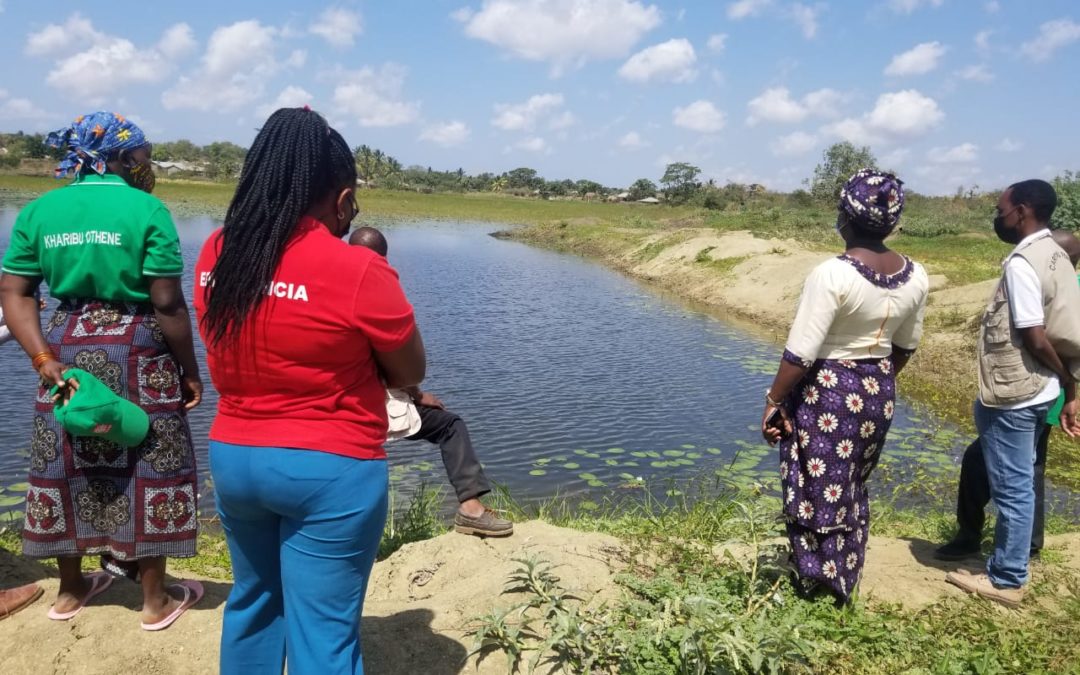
(980, 584)
(487, 525)
(14, 599)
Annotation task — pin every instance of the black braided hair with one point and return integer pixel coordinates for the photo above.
(295, 160)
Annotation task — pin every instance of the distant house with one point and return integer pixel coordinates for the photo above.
(648, 200)
(173, 168)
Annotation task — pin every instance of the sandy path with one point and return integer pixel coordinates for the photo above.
(420, 603)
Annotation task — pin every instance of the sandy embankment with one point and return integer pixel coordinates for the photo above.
(420, 604)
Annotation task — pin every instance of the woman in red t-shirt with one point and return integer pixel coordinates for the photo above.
(300, 330)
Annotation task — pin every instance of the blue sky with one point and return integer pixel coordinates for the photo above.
(947, 92)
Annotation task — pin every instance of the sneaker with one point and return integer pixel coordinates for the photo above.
(958, 549)
(487, 525)
(980, 584)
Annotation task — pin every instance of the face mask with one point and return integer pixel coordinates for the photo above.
(1003, 232)
(142, 177)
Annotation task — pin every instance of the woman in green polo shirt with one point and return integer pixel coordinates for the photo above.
(109, 252)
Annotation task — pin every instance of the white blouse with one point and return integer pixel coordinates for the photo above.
(848, 311)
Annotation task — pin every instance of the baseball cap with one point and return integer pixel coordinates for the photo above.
(95, 411)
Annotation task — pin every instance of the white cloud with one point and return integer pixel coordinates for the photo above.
(798, 143)
(373, 97)
(982, 40)
(717, 42)
(632, 141)
(290, 97)
(104, 64)
(19, 109)
(525, 116)
(701, 116)
(1009, 145)
(446, 134)
(894, 158)
(777, 105)
(992, 7)
(534, 144)
(338, 26)
(233, 71)
(965, 153)
(976, 73)
(563, 120)
(1053, 35)
(177, 42)
(671, 61)
(909, 6)
(564, 33)
(896, 116)
(919, 59)
(744, 8)
(806, 18)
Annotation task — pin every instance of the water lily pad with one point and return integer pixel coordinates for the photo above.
(10, 500)
(18, 487)
(591, 455)
(693, 455)
(571, 465)
(587, 476)
(615, 451)
(660, 464)
(581, 452)
(597, 483)
(542, 461)
(715, 451)
(538, 472)
(627, 476)
(652, 453)
(674, 453)
(630, 463)
(611, 462)
(639, 453)
(688, 446)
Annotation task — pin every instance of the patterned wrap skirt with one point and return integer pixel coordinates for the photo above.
(89, 495)
(841, 412)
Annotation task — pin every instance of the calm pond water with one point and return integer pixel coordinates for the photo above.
(574, 380)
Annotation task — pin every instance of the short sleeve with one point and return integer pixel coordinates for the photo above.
(162, 258)
(818, 306)
(1025, 293)
(382, 312)
(22, 254)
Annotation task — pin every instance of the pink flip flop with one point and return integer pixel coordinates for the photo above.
(99, 581)
(193, 592)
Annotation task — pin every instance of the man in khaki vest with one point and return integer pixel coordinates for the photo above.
(1029, 352)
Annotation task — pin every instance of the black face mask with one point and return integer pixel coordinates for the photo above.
(1003, 232)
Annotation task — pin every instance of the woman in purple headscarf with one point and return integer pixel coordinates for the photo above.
(858, 322)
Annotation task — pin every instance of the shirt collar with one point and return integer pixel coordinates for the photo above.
(92, 177)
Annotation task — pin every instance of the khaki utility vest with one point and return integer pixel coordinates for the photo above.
(1008, 373)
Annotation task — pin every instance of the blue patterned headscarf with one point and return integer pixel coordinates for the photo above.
(873, 200)
(92, 139)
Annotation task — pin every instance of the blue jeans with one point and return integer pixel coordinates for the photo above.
(303, 528)
(1008, 440)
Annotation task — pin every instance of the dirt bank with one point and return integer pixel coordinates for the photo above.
(420, 604)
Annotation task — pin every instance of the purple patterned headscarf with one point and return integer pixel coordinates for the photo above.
(873, 200)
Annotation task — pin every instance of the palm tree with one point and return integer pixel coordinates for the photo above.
(365, 166)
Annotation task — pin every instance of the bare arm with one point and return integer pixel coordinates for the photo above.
(787, 378)
(22, 312)
(171, 311)
(404, 367)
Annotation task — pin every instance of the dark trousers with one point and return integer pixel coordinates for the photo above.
(449, 432)
(974, 492)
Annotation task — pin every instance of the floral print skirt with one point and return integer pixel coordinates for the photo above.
(89, 495)
(841, 412)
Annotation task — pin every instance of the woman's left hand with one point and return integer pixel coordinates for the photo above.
(772, 433)
(191, 388)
